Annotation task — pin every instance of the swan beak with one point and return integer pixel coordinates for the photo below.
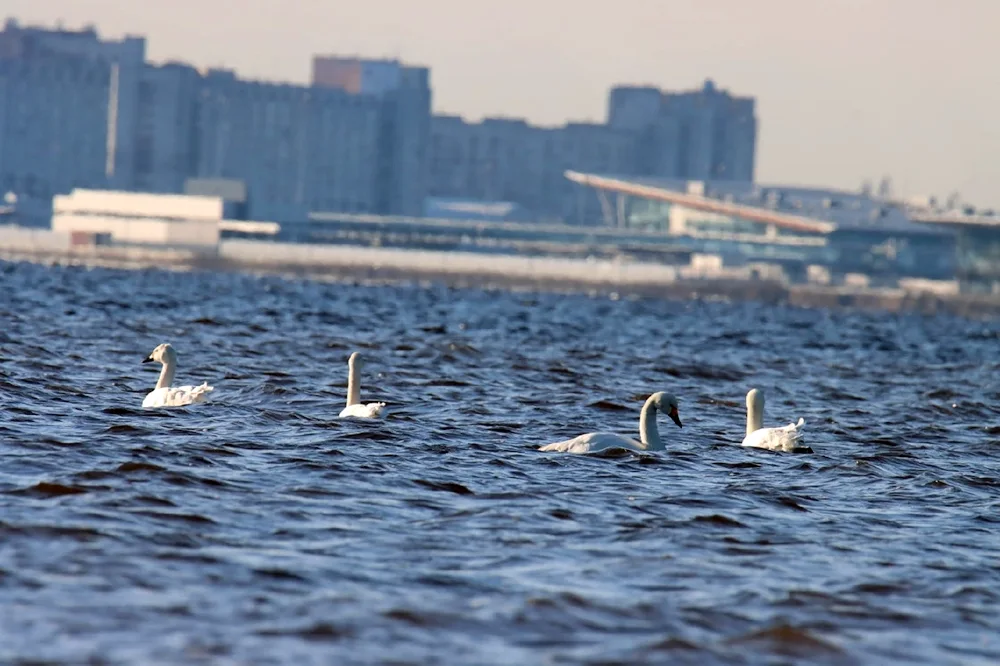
(675, 416)
(148, 359)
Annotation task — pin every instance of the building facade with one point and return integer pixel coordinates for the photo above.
(502, 159)
(404, 133)
(297, 149)
(796, 227)
(53, 126)
(125, 59)
(166, 150)
(705, 134)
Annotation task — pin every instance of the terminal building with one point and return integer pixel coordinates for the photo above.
(977, 245)
(800, 229)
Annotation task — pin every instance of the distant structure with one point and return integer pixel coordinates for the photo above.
(297, 148)
(404, 130)
(510, 160)
(70, 111)
(701, 135)
(104, 217)
(801, 229)
(78, 111)
(166, 141)
(705, 134)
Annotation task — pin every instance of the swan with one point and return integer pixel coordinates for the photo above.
(354, 407)
(776, 439)
(165, 395)
(648, 432)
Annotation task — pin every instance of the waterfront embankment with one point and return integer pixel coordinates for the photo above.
(473, 269)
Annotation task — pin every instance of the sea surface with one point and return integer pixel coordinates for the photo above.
(259, 528)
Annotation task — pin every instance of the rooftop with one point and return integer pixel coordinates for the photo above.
(810, 209)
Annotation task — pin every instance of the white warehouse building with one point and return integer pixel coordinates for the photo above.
(133, 218)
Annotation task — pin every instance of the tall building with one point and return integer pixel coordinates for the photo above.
(53, 126)
(404, 133)
(705, 134)
(297, 149)
(166, 151)
(502, 159)
(125, 59)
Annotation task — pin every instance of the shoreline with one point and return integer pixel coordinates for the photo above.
(506, 272)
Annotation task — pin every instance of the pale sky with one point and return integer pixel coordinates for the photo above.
(846, 89)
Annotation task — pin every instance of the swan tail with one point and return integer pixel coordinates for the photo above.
(199, 393)
(794, 434)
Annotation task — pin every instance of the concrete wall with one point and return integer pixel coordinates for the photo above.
(443, 263)
(139, 230)
(26, 239)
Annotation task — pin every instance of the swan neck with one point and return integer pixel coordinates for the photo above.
(755, 416)
(649, 432)
(353, 385)
(166, 374)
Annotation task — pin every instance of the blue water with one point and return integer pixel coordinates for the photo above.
(260, 528)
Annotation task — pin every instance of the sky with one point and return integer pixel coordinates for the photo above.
(846, 90)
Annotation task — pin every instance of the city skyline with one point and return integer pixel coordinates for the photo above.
(890, 88)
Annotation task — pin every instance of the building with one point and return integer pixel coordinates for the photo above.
(977, 243)
(510, 160)
(296, 148)
(125, 59)
(53, 129)
(166, 149)
(705, 134)
(405, 128)
(355, 142)
(792, 227)
(139, 219)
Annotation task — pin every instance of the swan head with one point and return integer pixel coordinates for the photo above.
(162, 354)
(355, 360)
(667, 404)
(755, 399)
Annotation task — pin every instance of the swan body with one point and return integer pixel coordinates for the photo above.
(649, 433)
(370, 411)
(785, 438)
(165, 395)
(354, 406)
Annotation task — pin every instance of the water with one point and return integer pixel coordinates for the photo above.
(259, 528)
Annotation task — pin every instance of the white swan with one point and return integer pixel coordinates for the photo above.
(776, 439)
(165, 395)
(354, 407)
(649, 433)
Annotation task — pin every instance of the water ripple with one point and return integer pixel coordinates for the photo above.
(259, 528)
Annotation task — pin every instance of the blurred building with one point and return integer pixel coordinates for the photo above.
(68, 112)
(702, 134)
(705, 134)
(296, 148)
(166, 140)
(977, 235)
(790, 227)
(53, 125)
(104, 217)
(124, 59)
(510, 160)
(404, 131)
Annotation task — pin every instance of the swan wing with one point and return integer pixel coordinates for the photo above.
(371, 410)
(593, 441)
(776, 439)
(177, 396)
